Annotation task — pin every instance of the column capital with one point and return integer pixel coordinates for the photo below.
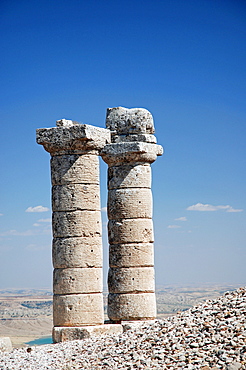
(70, 137)
(127, 152)
(125, 121)
(132, 138)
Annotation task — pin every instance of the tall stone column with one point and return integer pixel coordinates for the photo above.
(76, 222)
(133, 148)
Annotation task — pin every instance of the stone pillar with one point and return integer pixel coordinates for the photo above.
(133, 148)
(76, 222)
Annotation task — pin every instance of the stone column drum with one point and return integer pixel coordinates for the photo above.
(76, 222)
(133, 148)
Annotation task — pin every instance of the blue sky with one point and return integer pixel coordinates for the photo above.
(182, 60)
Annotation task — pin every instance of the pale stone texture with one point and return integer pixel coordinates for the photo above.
(131, 255)
(131, 280)
(141, 306)
(129, 176)
(61, 334)
(72, 138)
(75, 169)
(130, 231)
(133, 148)
(78, 309)
(76, 221)
(77, 252)
(5, 344)
(123, 121)
(131, 152)
(129, 203)
(75, 197)
(77, 280)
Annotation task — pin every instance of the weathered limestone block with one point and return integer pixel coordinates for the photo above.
(74, 169)
(78, 309)
(126, 121)
(129, 176)
(76, 223)
(75, 197)
(130, 152)
(141, 306)
(148, 138)
(77, 280)
(131, 280)
(129, 203)
(5, 344)
(62, 334)
(70, 136)
(77, 252)
(130, 231)
(131, 255)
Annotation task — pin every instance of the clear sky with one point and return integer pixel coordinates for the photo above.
(185, 61)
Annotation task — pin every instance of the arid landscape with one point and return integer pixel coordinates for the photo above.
(26, 315)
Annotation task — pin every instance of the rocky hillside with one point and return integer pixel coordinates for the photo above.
(208, 336)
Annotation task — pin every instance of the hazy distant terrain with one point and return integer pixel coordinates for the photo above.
(26, 315)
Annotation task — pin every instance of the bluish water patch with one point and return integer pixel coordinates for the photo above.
(40, 341)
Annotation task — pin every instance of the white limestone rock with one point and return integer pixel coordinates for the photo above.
(129, 176)
(130, 231)
(75, 169)
(141, 306)
(76, 223)
(5, 344)
(77, 252)
(130, 121)
(62, 334)
(129, 203)
(131, 280)
(130, 152)
(131, 255)
(68, 137)
(78, 309)
(77, 280)
(75, 197)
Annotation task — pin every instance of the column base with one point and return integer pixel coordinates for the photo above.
(66, 333)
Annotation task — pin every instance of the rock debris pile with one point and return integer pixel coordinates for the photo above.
(208, 336)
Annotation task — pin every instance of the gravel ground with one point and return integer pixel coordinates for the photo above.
(208, 336)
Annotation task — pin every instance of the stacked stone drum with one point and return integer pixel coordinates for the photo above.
(76, 222)
(133, 148)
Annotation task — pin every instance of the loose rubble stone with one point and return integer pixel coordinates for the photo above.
(5, 344)
(160, 344)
